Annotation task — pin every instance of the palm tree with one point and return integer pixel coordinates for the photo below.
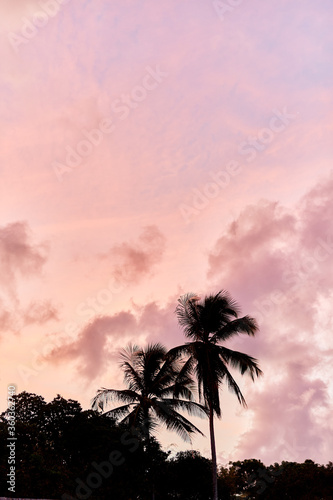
(207, 323)
(158, 387)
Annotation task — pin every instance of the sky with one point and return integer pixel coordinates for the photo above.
(150, 149)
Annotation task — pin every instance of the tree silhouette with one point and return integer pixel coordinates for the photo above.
(207, 323)
(157, 386)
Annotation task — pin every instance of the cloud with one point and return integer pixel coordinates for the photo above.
(91, 346)
(160, 323)
(133, 261)
(275, 260)
(40, 313)
(99, 342)
(252, 250)
(292, 413)
(272, 247)
(37, 313)
(19, 256)
(6, 320)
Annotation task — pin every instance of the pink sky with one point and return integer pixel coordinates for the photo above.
(150, 149)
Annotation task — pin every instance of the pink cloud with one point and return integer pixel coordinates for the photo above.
(292, 415)
(99, 342)
(91, 345)
(252, 250)
(15, 319)
(40, 313)
(275, 261)
(19, 255)
(137, 259)
(161, 323)
(6, 320)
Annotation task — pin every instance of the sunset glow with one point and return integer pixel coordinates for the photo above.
(150, 149)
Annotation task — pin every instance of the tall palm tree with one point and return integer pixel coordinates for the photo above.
(207, 323)
(158, 387)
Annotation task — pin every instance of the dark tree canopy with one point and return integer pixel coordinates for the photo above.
(65, 444)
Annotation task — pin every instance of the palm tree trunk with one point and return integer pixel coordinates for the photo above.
(213, 448)
(149, 454)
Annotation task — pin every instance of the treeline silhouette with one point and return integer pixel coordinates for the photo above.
(65, 452)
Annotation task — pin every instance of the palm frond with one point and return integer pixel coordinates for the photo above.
(156, 381)
(105, 396)
(119, 412)
(128, 353)
(150, 360)
(245, 325)
(132, 377)
(188, 314)
(184, 384)
(233, 387)
(241, 361)
(175, 421)
(165, 375)
(179, 351)
(218, 310)
(140, 423)
(192, 407)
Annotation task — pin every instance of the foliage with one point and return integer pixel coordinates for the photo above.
(251, 479)
(189, 476)
(207, 323)
(157, 388)
(59, 445)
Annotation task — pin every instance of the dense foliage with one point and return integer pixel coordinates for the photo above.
(65, 452)
(157, 388)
